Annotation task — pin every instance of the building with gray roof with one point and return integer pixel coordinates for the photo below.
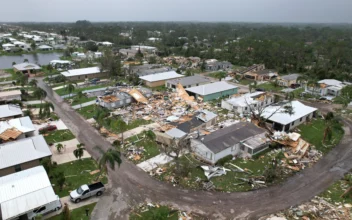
(232, 140)
(187, 82)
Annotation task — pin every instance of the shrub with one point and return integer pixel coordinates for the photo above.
(224, 160)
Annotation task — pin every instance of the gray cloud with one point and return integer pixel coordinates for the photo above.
(178, 10)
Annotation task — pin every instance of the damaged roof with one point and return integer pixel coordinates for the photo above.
(211, 88)
(227, 137)
(190, 80)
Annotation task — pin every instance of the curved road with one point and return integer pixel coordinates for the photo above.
(131, 186)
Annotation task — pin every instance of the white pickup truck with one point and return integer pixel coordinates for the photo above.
(86, 191)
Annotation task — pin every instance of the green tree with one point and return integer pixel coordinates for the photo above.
(79, 96)
(70, 88)
(330, 124)
(66, 213)
(33, 83)
(79, 151)
(47, 107)
(109, 157)
(220, 75)
(345, 96)
(33, 45)
(40, 94)
(59, 147)
(189, 73)
(25, 60)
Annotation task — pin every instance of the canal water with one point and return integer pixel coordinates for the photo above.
(38, 58)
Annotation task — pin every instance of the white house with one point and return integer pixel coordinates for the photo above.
(159, 79)
(243, 104)
(154, 39)
(84, 73)
(79, 55)
(24, 191)
(44, 48)
(10, 111)
(106, 43)
(327, 88)
(17, 128)
(98, 54)
(147, 49)
(60, 63)
(242, 139)
(8, 46)
(10, 95)
(282, 120)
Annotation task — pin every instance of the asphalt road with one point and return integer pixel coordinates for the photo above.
(131, 186)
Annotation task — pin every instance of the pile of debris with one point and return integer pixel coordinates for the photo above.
(135, 153)
(317, 208)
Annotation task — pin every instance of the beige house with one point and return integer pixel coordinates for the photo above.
(84, 73)
(261, 75)
(22, 154)
(159, 79)
(288, 80)
(26, 67)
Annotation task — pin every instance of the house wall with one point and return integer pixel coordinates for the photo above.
(157, 83)
(87, 76)
(246, 109)
(202, 151)
(205, 125)
(234, 150)
(24, 166)
(287, 83)
(117, 104)
(171, 85)
(298, 121)
(220, 94)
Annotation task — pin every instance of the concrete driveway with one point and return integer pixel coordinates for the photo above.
(67, 153)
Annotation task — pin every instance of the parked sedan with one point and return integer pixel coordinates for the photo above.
(48, 128)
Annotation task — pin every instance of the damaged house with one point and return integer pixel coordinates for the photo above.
(187, 82)
(243, 104)
(241, 139)
(115, 100)
(17, 128)
(212, 91)
(285, 121)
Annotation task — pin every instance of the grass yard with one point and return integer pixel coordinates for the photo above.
(151, 147)
(228, 183)
(334, 192)
(77, 214)
(313, 132)
(269, 87)
(88, 111)
(63, 91)
(155, 213)
(245, 81)
(77, 101)
(77, 173)
(58, 136)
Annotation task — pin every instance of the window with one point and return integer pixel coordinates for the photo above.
(293, 123)
(245, 108)
(242, 147)
(86, 76)
(85, 192)
(300, 119)
(79, 77)
(39, 210)
(18, 168)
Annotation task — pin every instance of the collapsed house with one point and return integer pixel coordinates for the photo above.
(115, 100)
(284, 120)
(243, 104)
(240, 139)
(17, 128)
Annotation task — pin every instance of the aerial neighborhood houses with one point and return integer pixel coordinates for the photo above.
(328, 88)
(215, 65)
(84, 73)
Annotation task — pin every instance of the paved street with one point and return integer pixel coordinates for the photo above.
(131, 185)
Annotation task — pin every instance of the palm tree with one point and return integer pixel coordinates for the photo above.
(47, 108)
(109, 157)
(79, 151)
(70, 88)
(25, 60)
(59, 147)
(80, 95)
(13, 63)
(220, 75)
(330, 122)
(40, 94)
(33, 83)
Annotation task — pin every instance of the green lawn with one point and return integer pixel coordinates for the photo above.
(78, 214)
(334, 192)
(88, 111)
(151, 147)
(63, 91)
(155, 213)
(245, 81)
(228, 182)
(77, 173)
(269, 87)
(58, 136)
(77, 101)
(313, 132)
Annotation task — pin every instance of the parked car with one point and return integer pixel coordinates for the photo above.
(107, 92)
(121, 84)
(95, 80)
(295, 86)
(47, 128)
(260, 90)
(45, 209)
(86, 191)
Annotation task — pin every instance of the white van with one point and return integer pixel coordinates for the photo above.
(50, 207)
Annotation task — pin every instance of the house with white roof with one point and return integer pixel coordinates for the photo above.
(159, 79)
(284, 120)
(10, 95)
(26, 67)
(15, 129)
(25, 191)
(79, 55)
(8, 47)
(10, 111)
(144, 49)
(105, 43)
(22, 154)
(61, 64)
(329, 88)
(244, 103)
(212, 91)
(84, 73)
(44, 48)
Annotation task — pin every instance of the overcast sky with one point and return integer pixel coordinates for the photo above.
(324, 11)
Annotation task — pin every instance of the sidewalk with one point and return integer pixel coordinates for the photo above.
(84, 104)
(72, 205)
(33, 102)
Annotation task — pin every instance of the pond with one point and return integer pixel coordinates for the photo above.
(38, 58)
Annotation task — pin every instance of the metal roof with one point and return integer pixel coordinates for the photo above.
(211, 88)
(5, 94)
(23, 124)
(292, 76)
(280, 116)
(161, 76)
(244, 100)
(175, 133)
(227, 137)
(83, 71)
(206, 115)
(190, 80)
(10, 110)
(24, 191)
(27, 66)
(22, 151)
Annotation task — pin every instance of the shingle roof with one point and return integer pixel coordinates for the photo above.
(211, 88)
(190, 80)
(23, 150)
(290, 76)
(227, 137)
